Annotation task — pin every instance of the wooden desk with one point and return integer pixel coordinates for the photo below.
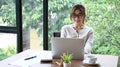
(104, 61)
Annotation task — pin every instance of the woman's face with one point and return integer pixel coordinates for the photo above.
(77, 17)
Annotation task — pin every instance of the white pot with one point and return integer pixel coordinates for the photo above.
(66, 64)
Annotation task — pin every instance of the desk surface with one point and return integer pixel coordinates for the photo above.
(104, 61)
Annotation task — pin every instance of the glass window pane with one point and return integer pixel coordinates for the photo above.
(8, 44)
(102, 15)
(32, 11)
(58, 15)
(7, 13)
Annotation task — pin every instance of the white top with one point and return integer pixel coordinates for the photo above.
(85, 33)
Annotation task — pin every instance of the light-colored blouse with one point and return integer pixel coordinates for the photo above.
(85, 33)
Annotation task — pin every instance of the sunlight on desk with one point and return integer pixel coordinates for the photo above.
(34, 58)
(18, 60)
(25, 63)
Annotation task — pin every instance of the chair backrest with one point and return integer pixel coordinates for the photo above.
(56, 34)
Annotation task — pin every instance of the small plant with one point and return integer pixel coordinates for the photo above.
(66, 57)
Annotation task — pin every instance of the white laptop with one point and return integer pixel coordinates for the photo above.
(67, 45)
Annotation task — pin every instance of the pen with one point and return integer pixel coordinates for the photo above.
(30, 57)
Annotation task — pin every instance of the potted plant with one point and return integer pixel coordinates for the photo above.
(66, 59)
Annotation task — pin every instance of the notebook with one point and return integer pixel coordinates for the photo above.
(72, 46)
(46, 56)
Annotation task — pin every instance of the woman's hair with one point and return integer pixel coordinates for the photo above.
(78, 7)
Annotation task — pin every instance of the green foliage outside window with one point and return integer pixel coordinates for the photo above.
(101, 15)
(7, 52)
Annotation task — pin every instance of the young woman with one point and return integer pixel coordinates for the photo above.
(78, 29)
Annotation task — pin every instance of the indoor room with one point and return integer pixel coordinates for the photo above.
(43, 33)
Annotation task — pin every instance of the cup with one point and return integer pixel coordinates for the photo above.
(91, 59)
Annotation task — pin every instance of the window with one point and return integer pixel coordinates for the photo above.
(7, 13)
(58, 15)
(32, 18)
(102, 15)
(8, 43)
(8, 34)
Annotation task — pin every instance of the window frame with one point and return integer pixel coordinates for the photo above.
(45, 24)
(18, 28)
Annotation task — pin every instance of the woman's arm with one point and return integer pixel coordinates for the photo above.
(89, 42)
(63, 32)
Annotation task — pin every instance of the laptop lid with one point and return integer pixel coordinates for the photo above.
(67, 45)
